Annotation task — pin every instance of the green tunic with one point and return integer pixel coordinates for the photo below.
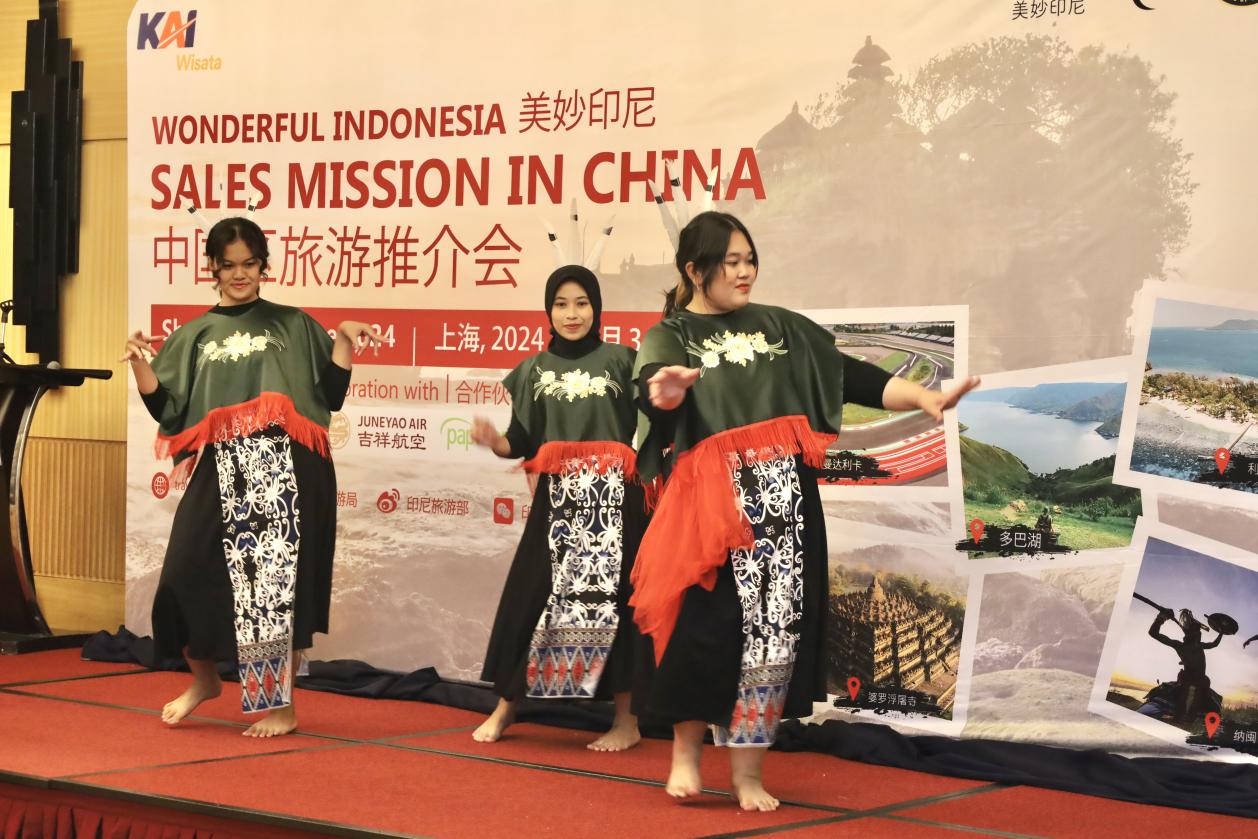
(217, 363)
(759, 363)
(587, 399)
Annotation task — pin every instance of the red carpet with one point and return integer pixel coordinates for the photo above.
(800, 777)
(52, 739)
(425, 794)
(879, 828)
(1066, 815)
(325, 714)
(57, 664)
(97, 755)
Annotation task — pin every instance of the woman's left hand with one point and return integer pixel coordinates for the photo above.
(360, 335)
(935, 403)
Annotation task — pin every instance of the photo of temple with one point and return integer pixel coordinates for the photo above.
(888, 640)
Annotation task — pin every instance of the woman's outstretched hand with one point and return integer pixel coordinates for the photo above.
(935, 403)
(484, 433)
(361, 335)
(667, 388)
(138, 351)
(139, 348)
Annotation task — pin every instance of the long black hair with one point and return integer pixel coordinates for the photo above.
(704, 241)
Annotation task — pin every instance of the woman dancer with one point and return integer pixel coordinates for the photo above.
(564, 628)
(731, 578)
(243, 396)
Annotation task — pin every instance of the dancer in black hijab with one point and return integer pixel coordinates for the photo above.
(564, 628)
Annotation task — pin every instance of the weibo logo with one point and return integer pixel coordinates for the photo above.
(160, 30)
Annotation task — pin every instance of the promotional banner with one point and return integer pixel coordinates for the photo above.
(998, 188)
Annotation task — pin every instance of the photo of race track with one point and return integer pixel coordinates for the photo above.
(908, 445)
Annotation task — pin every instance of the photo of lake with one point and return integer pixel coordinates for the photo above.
(1043, 457)
(1044, 442)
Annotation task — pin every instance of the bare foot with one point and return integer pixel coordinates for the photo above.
(491, 729)
(621, 736)
(753, 796)
(186, 703)
(277, 722)
(684, 780)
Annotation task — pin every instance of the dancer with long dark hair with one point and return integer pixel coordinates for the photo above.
(731, 579)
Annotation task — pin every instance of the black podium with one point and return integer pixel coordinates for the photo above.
(22, 624)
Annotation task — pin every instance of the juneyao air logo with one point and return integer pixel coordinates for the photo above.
(160, 30)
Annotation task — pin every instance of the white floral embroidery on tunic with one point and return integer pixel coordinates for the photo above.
(236, 346)
(573, 385)
(733, 348)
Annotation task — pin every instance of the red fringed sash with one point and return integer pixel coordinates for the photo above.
(552, 457)
(698, 521)
(233, 421)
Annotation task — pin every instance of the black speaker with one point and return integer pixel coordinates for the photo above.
(44, 181)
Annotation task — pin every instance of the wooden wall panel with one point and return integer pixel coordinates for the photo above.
(76, 459)
(98, 29)
(94, 305)
(80, 605)
(14, 336)
(76, 508)
(94, 301)
(13, 17)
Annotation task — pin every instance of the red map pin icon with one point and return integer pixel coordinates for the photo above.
(853, 687)
(1212, 723)
(1221, 457)
(976, 530)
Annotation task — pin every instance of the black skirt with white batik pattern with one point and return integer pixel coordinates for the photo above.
(564, 628)
(284, 490)
(748, 653)
(576, 630)
(261, 541)
(770, 581)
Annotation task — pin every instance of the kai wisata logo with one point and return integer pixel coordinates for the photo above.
(160, 30)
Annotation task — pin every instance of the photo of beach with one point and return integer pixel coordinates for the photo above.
(1199, 397)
